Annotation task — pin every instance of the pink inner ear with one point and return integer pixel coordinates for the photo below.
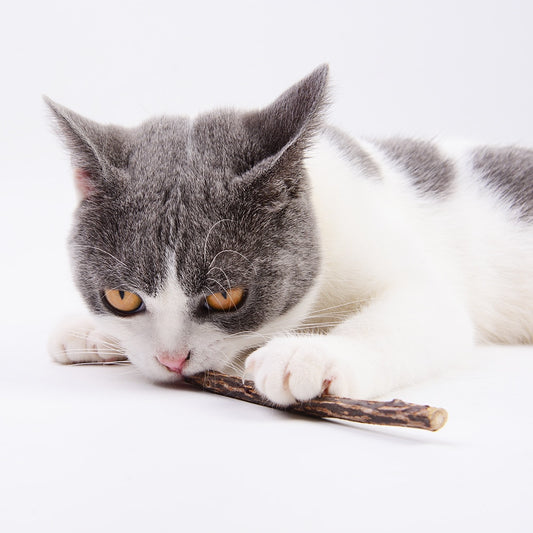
(82, 179)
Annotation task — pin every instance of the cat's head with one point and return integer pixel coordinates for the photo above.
(195, 240)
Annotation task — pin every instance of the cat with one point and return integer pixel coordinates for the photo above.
(270, 243)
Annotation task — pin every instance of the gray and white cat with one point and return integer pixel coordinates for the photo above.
(355, 266)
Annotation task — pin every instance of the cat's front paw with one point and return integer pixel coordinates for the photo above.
(290, 369)
(78, 340)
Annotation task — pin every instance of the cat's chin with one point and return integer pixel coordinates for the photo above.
(171, 377)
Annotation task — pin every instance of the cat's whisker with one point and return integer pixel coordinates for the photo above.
(96, 350)
(99, 346)
(232, 363)
(112, 343)
(131, 287)
(317, 324)
(223, 273)
(329, 317)
(227, 360)
(94, 357)
(238, 369)
(102, 345)
(224, 289)
(350, 305)
(246, 335)
(326, 317)
(103, 363)
(209, 233)
(336, 311)
(232, 252)
(102, 251)
(232, 360)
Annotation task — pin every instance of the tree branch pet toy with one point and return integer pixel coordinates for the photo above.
(390, 413)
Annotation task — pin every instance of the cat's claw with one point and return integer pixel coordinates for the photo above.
(287, 370)
(78, 340)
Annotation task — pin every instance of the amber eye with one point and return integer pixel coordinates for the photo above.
(124, 302)
(225, 300)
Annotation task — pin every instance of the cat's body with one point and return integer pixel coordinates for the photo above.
(359, 266)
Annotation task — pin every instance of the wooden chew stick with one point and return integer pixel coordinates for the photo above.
(392, 413)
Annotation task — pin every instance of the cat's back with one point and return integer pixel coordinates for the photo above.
(435, 170)
(397, 207)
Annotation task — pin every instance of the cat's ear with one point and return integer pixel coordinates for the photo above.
(93, 147)
(281, 132)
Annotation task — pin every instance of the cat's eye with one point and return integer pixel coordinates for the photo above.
(229, 300)
(123, 302)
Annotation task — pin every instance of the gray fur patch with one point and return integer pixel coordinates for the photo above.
(431, 173)
(508, 171)
(353, 151)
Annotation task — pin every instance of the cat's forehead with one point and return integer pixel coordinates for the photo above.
(214, 143)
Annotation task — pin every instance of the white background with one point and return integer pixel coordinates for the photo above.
(99, 448)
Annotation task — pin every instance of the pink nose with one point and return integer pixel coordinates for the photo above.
(173, 361)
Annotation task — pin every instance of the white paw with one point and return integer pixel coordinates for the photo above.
(290, 369)
(77, 340)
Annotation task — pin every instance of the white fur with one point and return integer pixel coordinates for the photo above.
(407, 284)
(80, 339)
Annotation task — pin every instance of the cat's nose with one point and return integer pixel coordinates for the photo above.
(174, 361)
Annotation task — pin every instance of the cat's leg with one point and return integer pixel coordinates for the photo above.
(82, 340)
(403, 336)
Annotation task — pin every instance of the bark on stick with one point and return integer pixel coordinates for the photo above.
(391, 413)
